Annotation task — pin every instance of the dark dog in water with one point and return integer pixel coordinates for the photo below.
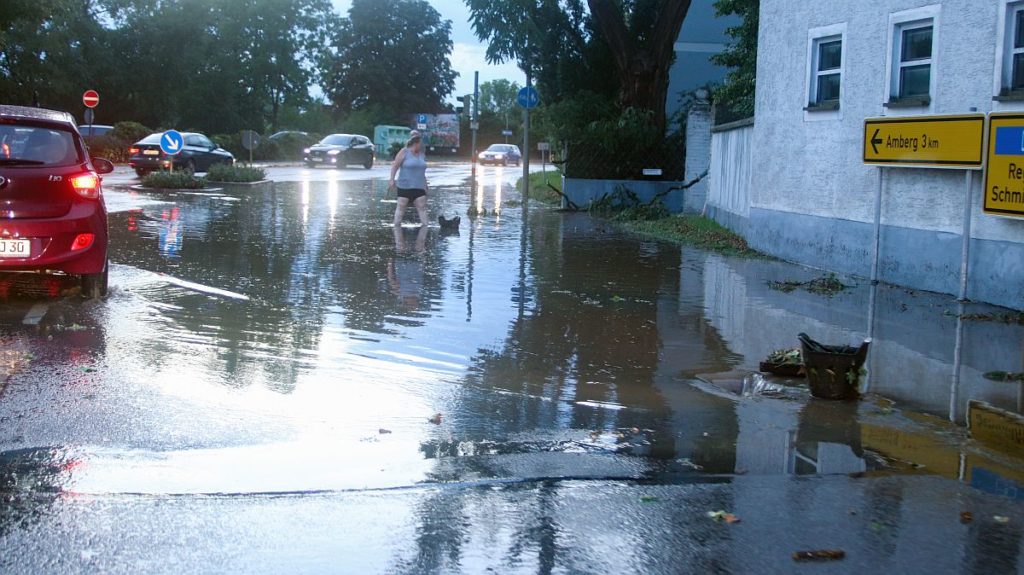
(449, 227)
(449, 224)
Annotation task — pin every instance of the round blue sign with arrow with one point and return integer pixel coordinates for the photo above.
(171, 142)
(528, 97)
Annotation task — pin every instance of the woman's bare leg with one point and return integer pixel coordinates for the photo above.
(400, 210)
(421, 208)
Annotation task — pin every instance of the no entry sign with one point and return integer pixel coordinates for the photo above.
(91, 98)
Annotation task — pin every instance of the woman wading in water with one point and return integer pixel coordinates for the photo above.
(411, 166)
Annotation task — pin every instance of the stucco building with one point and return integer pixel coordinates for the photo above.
(794, 182)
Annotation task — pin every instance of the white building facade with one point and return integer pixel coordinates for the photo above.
(806, 194)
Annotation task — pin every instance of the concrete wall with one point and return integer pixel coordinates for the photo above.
(814, 198)
(730, 177)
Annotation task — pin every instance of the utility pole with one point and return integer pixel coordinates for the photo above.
(526, 145)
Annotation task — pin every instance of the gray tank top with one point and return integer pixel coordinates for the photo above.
(412, 174)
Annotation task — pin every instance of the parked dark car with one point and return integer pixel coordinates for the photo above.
(500, 154)
(51, 202)
(197, 155)
(95, 129)
(340, 150)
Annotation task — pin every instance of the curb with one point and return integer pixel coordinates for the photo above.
(242, 184)
(138, 188)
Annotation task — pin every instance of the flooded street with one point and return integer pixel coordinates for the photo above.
(538, 392)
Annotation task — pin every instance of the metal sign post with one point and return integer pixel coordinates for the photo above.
(250, 141)
(952, 142)
(528, 98)
(91, 99)
(474, 122)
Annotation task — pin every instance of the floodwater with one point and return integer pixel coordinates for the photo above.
(290, 341)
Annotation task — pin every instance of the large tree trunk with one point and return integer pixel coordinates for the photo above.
(642, 69)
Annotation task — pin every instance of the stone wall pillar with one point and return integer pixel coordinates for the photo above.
(699, 121)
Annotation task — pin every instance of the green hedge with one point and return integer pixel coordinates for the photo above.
(287, 148)
(114, 145)
(173, 181)
(228, 173)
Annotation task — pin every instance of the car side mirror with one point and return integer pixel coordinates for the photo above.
(102, 165)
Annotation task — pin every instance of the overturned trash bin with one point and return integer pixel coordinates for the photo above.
(833, 371)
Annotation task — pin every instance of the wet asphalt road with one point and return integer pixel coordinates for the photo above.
(279, 381)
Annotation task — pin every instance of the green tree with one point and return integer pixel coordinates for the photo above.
(571, 46)
(737, 93)
(50, 50)
(498, 97)
(390, 54)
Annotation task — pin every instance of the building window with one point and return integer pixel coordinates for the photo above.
(1013, 65)
(912, 56)
(827, 70)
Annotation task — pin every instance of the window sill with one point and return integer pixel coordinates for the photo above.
(1014, 96)
(917, 102)
(822, 107)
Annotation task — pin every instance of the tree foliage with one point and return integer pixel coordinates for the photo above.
(214, 65)
(736, 95)
(498, 98)
(389, 54)
(570, 46)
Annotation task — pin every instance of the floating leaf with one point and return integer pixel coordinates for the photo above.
(723, 516)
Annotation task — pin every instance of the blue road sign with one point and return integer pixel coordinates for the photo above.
(1010, 141)
(528, 97)
(421, 119)
(172, 142)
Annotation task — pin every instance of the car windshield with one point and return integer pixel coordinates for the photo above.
(498, 148)
(37, 146)
(336, 140)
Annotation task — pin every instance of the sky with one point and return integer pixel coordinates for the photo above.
(468, 52)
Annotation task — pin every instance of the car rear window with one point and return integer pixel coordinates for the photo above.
(152, 138)
(36, 145)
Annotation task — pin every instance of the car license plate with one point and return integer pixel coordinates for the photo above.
(150, 152)
(317, 159)
(14, 248)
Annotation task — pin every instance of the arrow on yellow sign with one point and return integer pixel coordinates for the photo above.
(925, 141)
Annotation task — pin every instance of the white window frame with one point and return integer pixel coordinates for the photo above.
(908, 20)
(816, 37)
(1002, 86)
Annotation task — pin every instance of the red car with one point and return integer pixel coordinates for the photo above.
(52, 215)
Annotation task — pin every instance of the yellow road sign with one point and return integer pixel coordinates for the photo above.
(1004, 171)
(926, 141)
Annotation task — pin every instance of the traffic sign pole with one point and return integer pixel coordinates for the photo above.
(526, 147)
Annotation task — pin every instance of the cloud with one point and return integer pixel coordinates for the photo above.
(468, 58)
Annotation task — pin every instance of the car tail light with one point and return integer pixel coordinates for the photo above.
(82, 241)
(87, 185)
(133, 151)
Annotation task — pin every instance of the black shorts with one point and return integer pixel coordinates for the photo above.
(411, 194)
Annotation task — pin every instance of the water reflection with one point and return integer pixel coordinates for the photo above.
(554, 346)
(405, 269)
